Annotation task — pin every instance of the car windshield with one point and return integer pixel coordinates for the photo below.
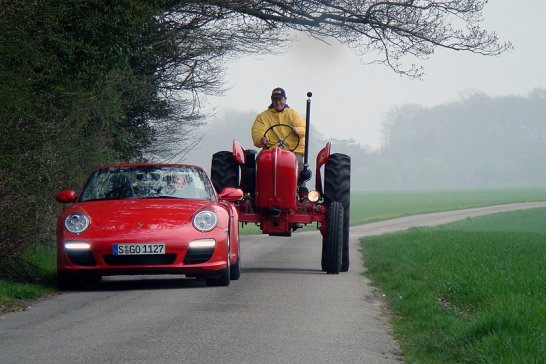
(125, 182)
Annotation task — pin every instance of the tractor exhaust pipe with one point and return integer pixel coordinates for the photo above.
(306, 173)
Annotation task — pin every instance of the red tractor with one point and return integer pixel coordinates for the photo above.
(275, 197)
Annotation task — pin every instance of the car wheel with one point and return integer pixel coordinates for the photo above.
(337, 187)
(235, 270)
(68, 281)
(332, 244)
(224, 171)
(223, 280)
(225, 275)
(92, 279)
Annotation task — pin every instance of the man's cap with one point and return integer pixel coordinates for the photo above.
(277, 93)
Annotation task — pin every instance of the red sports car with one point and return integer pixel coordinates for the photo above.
(148, 219)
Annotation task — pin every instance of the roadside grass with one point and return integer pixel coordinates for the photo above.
(36, 278)
(471, 291)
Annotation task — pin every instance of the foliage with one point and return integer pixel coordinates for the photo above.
(471, 291)
(67, 104)
(477, 142)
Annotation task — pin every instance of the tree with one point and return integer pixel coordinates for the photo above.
(380, 31)
(189, 42)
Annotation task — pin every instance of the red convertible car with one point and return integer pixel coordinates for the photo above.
(148, 219)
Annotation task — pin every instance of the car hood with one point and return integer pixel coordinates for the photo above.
(141, 213)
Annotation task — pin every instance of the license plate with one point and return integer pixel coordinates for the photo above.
(138, 249)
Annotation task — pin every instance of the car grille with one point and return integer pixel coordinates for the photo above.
(82, 257)
(196, 256)
(145, 259)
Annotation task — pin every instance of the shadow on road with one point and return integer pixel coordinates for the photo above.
(251, 270)
(139, 283)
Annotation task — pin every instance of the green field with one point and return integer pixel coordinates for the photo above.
(472, 291)
(374, 206)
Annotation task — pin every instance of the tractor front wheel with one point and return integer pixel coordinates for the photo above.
(332, 243)
(337, 187)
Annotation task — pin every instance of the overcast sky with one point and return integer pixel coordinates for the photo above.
(350, 99)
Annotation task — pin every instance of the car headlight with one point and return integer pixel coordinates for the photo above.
(76, 245)
(205, 220)
(76, 222)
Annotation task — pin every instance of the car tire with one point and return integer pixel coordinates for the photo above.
(332, 243)
(221, 281)
(224, 275)
(224, 171)
(77, 281)
(235, 269)
(337, 187)
(68, 281)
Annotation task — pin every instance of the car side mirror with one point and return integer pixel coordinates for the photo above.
(231, 194)
(66, 196)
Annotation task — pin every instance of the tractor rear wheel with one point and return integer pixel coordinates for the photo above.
(248, 173)
(337, 187)
(224, 171)
(332, 243)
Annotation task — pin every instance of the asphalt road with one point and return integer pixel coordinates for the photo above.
(284, 309)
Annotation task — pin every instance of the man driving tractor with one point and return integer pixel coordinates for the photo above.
(289, 136)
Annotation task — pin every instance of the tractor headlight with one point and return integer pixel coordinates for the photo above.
(76, 222)
(205, 220)
(313, 196)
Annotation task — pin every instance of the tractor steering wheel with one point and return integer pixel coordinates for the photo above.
(282, 141)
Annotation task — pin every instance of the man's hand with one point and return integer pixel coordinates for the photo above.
(295, 132)
(264, 141)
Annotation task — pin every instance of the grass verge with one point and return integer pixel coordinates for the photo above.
(35, 276)
(471, 291)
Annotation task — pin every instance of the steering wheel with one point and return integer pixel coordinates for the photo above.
(282, 141)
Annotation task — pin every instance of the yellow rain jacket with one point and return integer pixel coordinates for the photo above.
(271, 117)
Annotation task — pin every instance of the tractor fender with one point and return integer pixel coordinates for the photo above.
(322, 159)
(238, 152)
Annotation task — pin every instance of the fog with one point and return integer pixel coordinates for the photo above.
(351, 99)
(476, 142)
(361, 107)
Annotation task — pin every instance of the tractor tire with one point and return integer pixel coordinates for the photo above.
(224, 171)
(332, 243)
(248, 173)
(337, 187)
